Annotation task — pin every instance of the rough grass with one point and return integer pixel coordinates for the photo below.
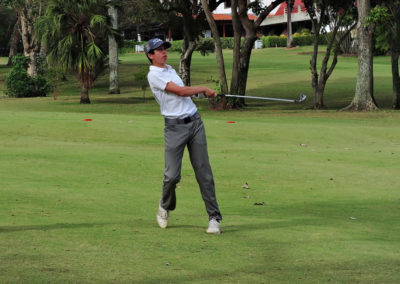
(78, 199)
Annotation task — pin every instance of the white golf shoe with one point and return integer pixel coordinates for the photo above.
(162, 217)
(213, 227)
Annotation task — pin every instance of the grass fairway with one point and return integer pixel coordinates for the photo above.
(78, 198)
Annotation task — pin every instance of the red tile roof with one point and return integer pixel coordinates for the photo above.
(283, 6)
(227, 17)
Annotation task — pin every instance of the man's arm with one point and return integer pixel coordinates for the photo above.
(189, 91)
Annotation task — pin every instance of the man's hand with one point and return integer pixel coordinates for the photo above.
(210, 93)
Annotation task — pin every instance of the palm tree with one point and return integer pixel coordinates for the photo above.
(75, 33)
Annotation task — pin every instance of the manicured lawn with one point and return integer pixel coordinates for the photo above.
(78, 198)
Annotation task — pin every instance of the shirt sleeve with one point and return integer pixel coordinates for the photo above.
(157, 82)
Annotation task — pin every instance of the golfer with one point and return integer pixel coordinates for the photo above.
(183, 128)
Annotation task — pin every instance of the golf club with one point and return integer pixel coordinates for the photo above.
(300, 100)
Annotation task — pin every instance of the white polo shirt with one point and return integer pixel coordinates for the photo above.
(171, 105)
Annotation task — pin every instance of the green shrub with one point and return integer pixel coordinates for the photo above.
(298, 40)
(226, 43)
(305, 32)
(204, 46)
(132, 43)
(19, 84)
(274, 41)
(303, 40)
(176, 45)
(229, 42)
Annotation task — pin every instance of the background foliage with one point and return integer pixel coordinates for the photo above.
(20, 84)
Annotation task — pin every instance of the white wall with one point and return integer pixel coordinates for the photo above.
(222, 10)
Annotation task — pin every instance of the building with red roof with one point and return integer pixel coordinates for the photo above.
(276, 22)
(298, 6)
(224, 24)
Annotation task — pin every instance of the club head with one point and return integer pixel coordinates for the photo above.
(302, 98)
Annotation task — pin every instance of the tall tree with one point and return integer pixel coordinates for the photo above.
(27, 11)
(242, 53)
(218, 49)
(190, 36)
(237, 39)
(138, 15)
(16, 35)
(341, 19)
(191, 19)
(113, 50)
(75, 33)
(9, 30)
(387, 35)
(289, 5)
(364, 96)
(394, 41)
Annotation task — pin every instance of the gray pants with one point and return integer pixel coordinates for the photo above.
(177, 137)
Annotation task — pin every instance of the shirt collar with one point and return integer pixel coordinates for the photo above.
(159, 69)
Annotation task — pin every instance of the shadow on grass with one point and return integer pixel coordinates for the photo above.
(338, 94)
(123, 100)
(10, 229)
(247, 227)
(185, 227)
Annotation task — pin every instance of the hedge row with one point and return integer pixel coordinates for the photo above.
(130, 46)
(279, 41)
(131, 43)
(206, 45)
(226, 43)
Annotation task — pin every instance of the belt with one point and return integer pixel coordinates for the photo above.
(185, 120)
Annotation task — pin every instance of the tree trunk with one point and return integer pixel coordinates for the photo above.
(219, 55)
(319, 95)
(245, 62)
(394, 36)
(313, 67)
(396, 79)
(85, 93)
(325, 73)
(113, 52)
(242, 58)
(318, 80)
(14, 43)
(245, 53)
(237, 31)
(218, 48)
(289, 24)
(31, 48)
(186, 60)
(43, 51)
(364, 99)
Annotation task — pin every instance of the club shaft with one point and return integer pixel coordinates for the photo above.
(259, 98)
